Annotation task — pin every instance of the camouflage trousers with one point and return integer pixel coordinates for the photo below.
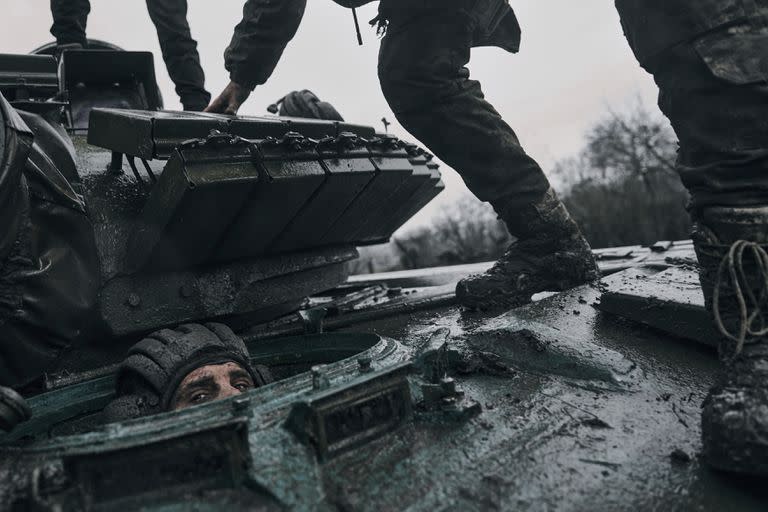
(424, 79)
(710, 61)
(70, 18)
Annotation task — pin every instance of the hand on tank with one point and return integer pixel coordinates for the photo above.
(230, 99)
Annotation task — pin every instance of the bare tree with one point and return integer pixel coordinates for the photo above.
(639, 144)
(466, 231)
(623, 188)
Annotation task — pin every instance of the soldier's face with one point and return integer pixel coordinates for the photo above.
(211, 382)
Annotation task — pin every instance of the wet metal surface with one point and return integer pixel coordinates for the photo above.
(610, 261)
(668, 299)
(553, 406)
(557, 431)
(143, 302)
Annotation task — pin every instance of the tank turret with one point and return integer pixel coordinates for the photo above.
(200, 216)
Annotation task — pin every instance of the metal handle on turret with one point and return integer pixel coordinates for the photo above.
(13, 409)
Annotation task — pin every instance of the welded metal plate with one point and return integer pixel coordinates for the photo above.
(214, 457)
(349, 416)
(147, 301)
(667, 299)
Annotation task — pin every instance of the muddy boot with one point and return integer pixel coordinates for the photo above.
(731, 244)
(549, 254)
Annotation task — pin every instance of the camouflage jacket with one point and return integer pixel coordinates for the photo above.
(269, 25)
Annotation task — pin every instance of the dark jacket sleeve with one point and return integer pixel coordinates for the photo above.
(14, 149)
(260, 38)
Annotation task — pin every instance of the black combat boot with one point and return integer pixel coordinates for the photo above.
(730, 244)
(549, 254)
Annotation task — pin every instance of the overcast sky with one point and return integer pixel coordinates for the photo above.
(574, 62)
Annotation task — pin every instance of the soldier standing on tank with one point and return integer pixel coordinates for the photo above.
(423, 76)
(710, 61)
(179, 49)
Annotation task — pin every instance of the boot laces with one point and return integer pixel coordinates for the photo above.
(752, 320)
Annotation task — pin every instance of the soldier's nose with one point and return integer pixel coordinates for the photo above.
(227, 391)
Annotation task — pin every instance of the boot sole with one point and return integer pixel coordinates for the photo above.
(515, 301)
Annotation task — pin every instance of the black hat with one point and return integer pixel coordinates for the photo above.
(148, 378)
(306, 104)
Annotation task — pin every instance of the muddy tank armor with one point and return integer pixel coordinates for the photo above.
(201, 216)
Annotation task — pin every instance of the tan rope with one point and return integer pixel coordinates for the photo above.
(743, 292)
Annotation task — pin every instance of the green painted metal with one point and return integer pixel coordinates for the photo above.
(127, 463)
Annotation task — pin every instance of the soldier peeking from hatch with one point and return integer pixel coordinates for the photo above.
(174, 369)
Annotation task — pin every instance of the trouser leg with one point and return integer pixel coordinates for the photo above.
(70, 18)
(422, 74)
(15, 143)
(713, 86)
(179, 51)
(714, 89)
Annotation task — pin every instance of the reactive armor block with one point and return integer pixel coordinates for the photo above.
(246, 214)
(422, 186)
(349, 169)
(362, 218)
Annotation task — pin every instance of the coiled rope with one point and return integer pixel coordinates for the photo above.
(743, 291)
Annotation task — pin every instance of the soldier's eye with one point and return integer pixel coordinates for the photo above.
(243, 386)
(199, 397)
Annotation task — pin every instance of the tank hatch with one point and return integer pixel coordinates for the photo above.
(107, 78)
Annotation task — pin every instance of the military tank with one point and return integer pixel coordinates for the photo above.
(386, 395)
